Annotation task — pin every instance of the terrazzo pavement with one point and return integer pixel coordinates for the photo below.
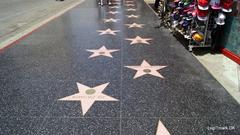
(47, 65)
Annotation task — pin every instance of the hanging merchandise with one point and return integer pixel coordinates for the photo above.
(220, 20)
(175, 17)
(187, 2)
(227, 5)
(197, 36)
(189, 16)
(196, 19)
(180, 5)
(215, 4)
(202, 15)
(194, 13)
(203, 4)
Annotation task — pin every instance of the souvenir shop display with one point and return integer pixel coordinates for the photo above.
(194, 19)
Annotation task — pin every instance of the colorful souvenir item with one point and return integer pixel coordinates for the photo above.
(197, 36)
(220, 20)
(203, 4)
(227, 5)
(202, 14)
(215, 4)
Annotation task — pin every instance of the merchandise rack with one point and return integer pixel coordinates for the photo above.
(208, 25)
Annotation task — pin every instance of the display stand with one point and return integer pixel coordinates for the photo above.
(207, 34)
(205, 27)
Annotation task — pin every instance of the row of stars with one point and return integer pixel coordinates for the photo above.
(88, 95)
(145, 67)
(137, 39)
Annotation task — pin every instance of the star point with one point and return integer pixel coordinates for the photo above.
(161, 129)
(145, 68)
(131, 9)
(103, 51)
(132, 16)
(129, 1)
(139, 40)
(135, 25)
(113, 12)
(130, 5)
(115, 3)
(88, 96)
(110, 20)
(114, 7)
(108, 31)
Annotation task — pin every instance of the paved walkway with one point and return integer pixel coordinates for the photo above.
(20, 17)
(107, 71)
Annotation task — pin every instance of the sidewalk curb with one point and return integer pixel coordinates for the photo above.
(13, 40)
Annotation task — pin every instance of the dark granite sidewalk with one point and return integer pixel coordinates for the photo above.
(88, 73)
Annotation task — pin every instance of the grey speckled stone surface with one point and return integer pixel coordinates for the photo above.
(46, 65)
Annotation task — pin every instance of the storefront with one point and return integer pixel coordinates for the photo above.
(205, 23)
(231, 36)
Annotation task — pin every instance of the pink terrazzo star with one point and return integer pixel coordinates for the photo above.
(87, 96)
(161, 129)
(131, 9)
(113, 12)
(132, 16)
(135, 25)
(145, 68)
(114, 7)
(130, 5)
(103, 51)
(108, 31)
(110, 20)
(139, 40)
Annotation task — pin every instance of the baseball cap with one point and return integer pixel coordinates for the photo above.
(215, 4)
(226, 5)
(220, 20)
(202, 14)
(203, 4)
